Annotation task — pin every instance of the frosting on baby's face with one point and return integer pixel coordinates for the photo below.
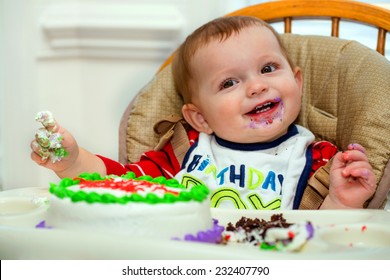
(265, 115)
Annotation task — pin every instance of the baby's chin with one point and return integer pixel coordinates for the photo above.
(265, 133)
(254, 131)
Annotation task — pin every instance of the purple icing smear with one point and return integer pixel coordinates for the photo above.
(310, 230)
(42, 224)
(213, 235)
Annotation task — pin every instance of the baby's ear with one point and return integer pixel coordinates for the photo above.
(298, 78)
(194, 117)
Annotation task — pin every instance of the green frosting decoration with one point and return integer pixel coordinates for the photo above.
(61, 190)
(269, 247)
(93, 197)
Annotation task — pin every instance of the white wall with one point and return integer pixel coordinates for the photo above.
(84, 60)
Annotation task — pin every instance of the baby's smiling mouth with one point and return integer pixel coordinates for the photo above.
(264, 107)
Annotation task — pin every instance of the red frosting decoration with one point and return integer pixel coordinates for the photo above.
(291, 234)
(129, 186)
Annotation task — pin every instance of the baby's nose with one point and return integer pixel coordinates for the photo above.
(257, 86)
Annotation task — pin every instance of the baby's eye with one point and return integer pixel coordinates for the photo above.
(268, 68)
(228, 83)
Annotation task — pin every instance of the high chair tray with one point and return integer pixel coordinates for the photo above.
(339, 234)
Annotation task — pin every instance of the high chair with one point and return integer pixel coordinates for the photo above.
(346, 92)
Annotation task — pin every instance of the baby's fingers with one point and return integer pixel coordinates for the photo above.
(366, 178)
(357, 147)
(49, 139)
(39, 154)
(354, 155)
(358, 172)
(362, 171)
(351, 167)
(47, 120)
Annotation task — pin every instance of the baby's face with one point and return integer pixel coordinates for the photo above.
(245, 88)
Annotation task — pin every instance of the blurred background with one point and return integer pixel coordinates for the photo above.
(85, 60)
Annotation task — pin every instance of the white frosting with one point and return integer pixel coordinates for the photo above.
(301, 235)
(45, 118)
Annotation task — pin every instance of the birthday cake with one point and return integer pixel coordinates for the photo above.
(276, 234)
(137, 206)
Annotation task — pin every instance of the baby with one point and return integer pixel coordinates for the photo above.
(242, 95)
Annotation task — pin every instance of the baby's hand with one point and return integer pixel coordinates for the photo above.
(352, 180)
(48, 139)
(53, 146)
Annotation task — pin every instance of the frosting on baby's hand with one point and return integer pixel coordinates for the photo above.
(50, 142)
(45, 118)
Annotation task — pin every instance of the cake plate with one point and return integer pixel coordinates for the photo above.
(339, 234)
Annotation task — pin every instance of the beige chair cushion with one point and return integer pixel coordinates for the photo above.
(346, 99)
(346, 94)
(155, 101)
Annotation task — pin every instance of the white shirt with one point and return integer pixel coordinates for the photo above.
(250, 176)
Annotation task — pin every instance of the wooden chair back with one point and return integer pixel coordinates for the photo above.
(334, 10)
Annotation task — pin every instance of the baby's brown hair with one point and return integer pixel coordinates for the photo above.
(217, 29)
